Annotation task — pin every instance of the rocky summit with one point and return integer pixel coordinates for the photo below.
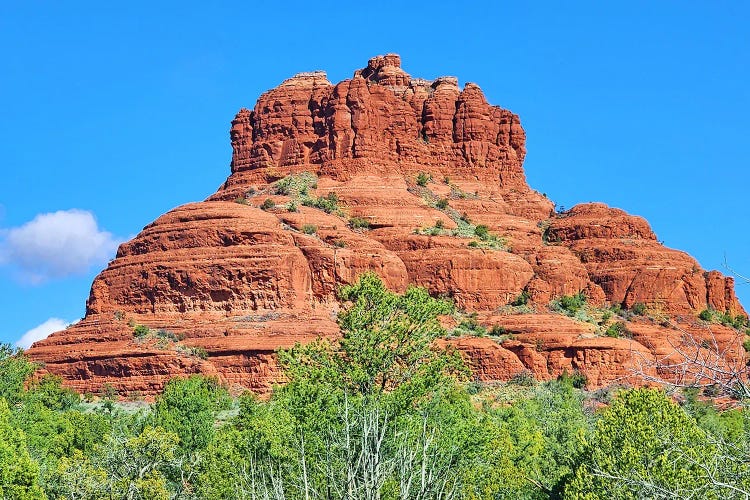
(419, 181)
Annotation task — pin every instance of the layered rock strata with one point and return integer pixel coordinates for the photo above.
(419, 181)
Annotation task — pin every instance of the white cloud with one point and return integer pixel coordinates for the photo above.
(55, 245)
(40, 332)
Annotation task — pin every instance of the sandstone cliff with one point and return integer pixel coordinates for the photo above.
(419, 181)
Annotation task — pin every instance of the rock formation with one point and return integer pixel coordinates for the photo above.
(419, 181)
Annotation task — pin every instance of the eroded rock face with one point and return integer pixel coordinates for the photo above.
(410, 168)
(622, 256)
(392, 123)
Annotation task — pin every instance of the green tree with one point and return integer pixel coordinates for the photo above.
(255, 455)
(49, 392)
(378, 414)
(644, 446)
(18, 472)
(188, 407)
(15, 368)
(122, 466)
(76, 477)
(138, 467)
(49, 433)
(387, 345)
(43, 414)
(387, 338)
(544, 427)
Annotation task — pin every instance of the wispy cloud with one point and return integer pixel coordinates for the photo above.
(40, 332)
(56, 245)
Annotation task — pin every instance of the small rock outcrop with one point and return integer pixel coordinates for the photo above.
(421, 182)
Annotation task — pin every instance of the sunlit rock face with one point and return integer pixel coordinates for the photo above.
(409, 169)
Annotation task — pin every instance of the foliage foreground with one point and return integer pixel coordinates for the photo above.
(380, 414)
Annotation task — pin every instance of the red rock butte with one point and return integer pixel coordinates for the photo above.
(421, 182)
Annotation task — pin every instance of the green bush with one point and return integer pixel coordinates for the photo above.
(109, 392)
(423, 178)
(296, 184)
(327, 203)
(465, 229)
(442, 203)
(573, 302)
(521, 300)
(141, 331)
(725, 318)
(359, 223)
(740, 321)
(482, 232)
(199, 352)
(282, 187)
(268, 204)
(166, 334)
(639, 309)
(616, 330)
(706, 315)
(577, 380)
(497, 331)
(569, 304)
(309, 229)
(469, 326)
(474, 387)
(524, 379)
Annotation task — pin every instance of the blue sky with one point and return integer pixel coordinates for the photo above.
(112, 116)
